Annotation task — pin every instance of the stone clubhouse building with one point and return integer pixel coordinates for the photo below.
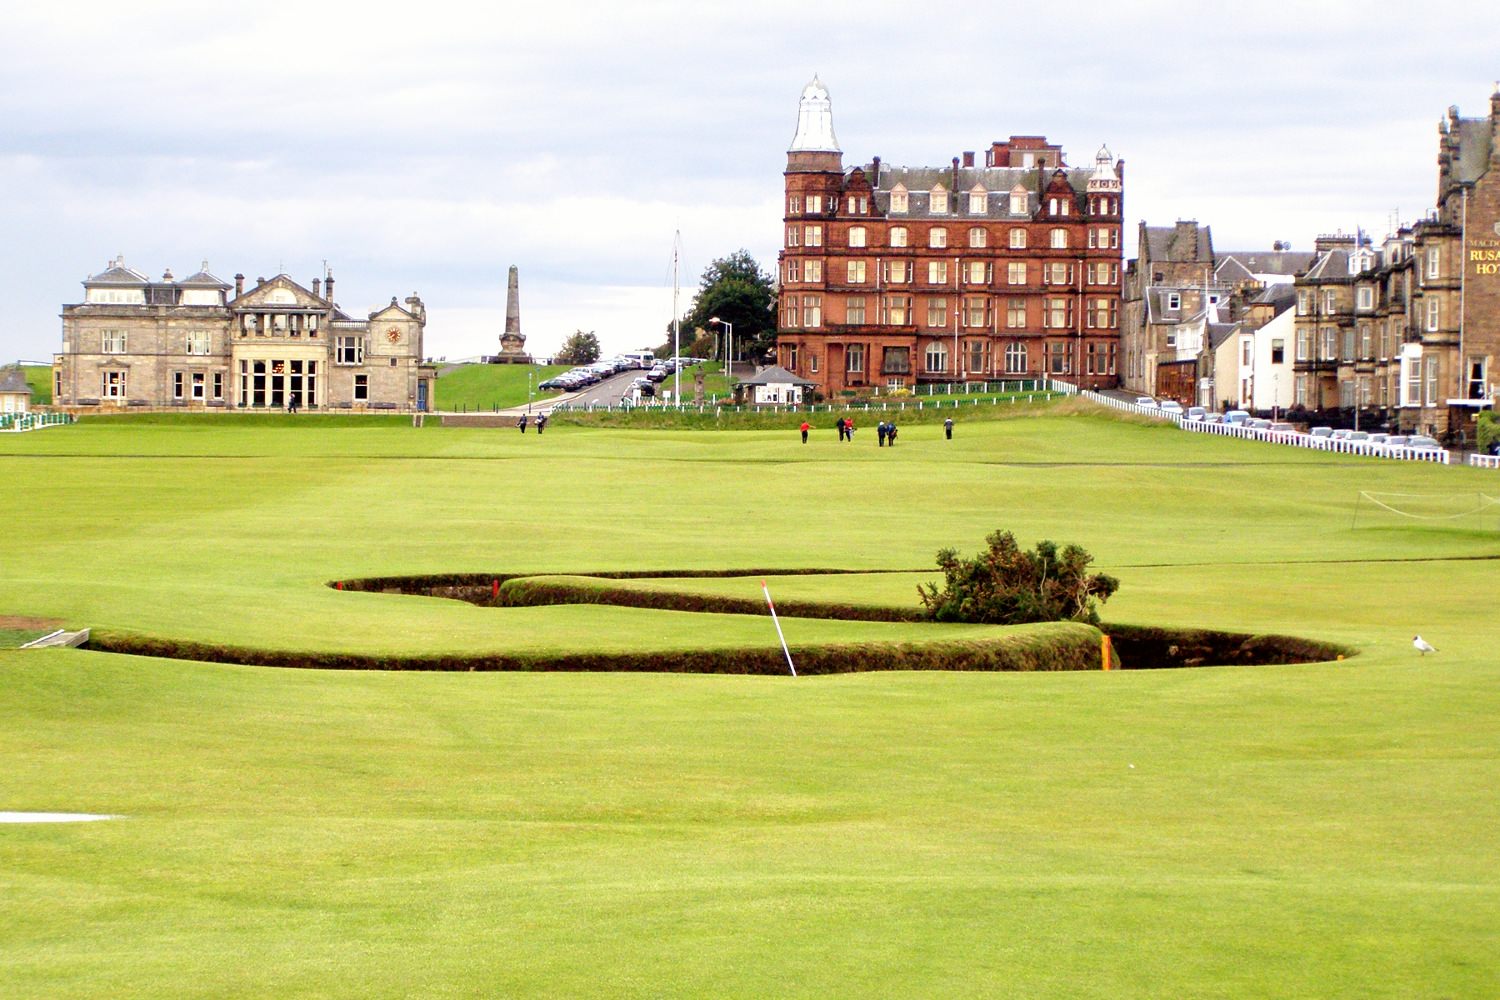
(200, 343)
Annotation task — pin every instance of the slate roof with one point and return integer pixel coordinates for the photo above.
(1180, 243)
(204, 279)
(775, 375)
(997, 182)
(1281, 296)
(117, 274)
(12, 379)
(1333, 264)
(1474, 141)
(1252, 262)
(1220, 332)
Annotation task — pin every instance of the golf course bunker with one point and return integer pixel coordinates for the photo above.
(46, 817)
(1050, 646)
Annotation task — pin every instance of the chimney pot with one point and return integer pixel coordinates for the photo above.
(239, 285)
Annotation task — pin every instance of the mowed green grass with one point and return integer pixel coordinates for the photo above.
(1313, 831)
(481, 387)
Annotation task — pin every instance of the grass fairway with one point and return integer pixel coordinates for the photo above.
(1310, 831)
(482, 387)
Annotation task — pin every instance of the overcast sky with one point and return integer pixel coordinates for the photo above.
(429, 146)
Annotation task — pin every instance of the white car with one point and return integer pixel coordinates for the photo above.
(1145, 401)
(1196, 412)
(1171, 406)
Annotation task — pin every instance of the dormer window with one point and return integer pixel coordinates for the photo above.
(1019, 201)
(938, 201)
(978, 200)
(899, 199)
(1174, 301)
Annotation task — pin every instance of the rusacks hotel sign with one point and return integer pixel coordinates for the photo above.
(1485, 255)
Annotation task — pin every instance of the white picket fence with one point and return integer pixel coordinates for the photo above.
(33, 421)
(1485, 461)
(1369, 449)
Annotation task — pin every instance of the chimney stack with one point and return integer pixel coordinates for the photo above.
(239, 285)
(317, 286)
(875, 169)
(954, 187)
(969, 158)
(328, 288)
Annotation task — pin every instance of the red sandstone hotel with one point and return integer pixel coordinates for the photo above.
(892, 276)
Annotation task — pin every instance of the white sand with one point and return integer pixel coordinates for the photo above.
(21, 817)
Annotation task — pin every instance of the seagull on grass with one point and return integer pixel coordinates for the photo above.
(1422, 645)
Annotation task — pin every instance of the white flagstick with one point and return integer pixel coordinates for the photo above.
(770, 604)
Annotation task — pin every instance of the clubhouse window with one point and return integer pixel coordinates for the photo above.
(112, 385)
(361, 387)
(854, 359)
(350, 351)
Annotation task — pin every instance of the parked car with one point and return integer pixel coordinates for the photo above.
(1196, 412)
(1321, 432)
(1145, 401)
(1258, 424)
(1423, 441)
(1379, 438)
(1213, 418)
(1342, 434)
(1237, 416)
(1282, 427)
(1170, 406)
(1397, 441)
(1359, 436)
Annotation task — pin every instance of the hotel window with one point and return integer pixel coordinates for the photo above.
(812, 270)
(898, 271)
(937, 272)
(938, 202)
(978, 237)
(791, 358)
(937, 238)
(898, 200)
(1299, 392)
(791, 310)
(1015, 314)
(812, 310)
(812, 363)
(897, 310)
(854, 310)
(1018, 203)
(361, 387)
(197, 342)
(1478, 384)
(1059, 360)
(218, 385)
(178, 381)
(1174, 301)
(937, 313)
(1348, 352)
(854, 358)
(1434, 263)
(896, 361)
(1328, 348)
(1278, 351)
(1058, 239)
(1057, 273)
(976, 312)
(976, 357)
(1102, 314)
(978, 202)
(198, 385)
(1366, 343)
(794, 204)
(112, 385)
(1367, 297)
(350, 351)
(978, 272)
(1018, 238)
(1432, 380)
(814, 204)
(898, 236)
(1434, 314)
(856, 236)
(794, 236)
(813, 236)
(793, 270)
(1304, 301)
(858, 206)
(1057, 314)
(1015, 359)
(936, 358)
(114, 342)
(1304, 345)
(1328, 300)
(856, 272)
(1015, 273)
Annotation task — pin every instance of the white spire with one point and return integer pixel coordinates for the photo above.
(815, 121)
(1104, 177)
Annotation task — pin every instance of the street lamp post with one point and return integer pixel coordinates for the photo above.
(530, 390)
(728, 345)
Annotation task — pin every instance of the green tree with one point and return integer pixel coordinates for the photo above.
(579, 349)
(1489, 431)
(735, 290)
(1006, 585)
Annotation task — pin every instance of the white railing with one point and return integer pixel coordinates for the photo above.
(1485, 461)
(33, 421)
(1155, 412)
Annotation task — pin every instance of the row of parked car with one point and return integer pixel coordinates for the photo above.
(1244, 419)
(584, 376)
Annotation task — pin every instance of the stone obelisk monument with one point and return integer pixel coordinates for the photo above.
(512, 343)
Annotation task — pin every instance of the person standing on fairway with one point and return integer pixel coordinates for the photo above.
(522, 423)
(948, 428)
(890, 433)
(840, 427)
(880, 434)
(805, 428)
(849, 429)
(541, 422)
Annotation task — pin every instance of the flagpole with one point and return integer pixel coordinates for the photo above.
(771, 604)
